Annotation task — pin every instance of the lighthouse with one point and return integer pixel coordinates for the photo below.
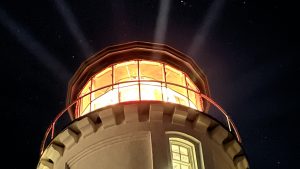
(141, 105)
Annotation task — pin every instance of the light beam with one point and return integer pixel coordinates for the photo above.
(205, 27)
(34, 47)
(162, 21)
(70, 20)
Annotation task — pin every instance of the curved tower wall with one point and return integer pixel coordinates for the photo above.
(133, 136)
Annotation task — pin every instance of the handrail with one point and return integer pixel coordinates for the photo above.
(138, 83)
(229, 120)
(51, 127)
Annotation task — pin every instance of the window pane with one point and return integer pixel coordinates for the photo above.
(175, 76)
(190, 84)
(151, 70)
(176, 166)
(184, 167)
(185, 158)
(108, 97)
(102, 97)
(100, 80)
(192, 99)
(194, 95)
(128, 91)
(99, 93)
(126, 71)
(176, 156)
(85, 109)
(195, 100)
(183, 151)
(174, 94)
(151, 91)
(175, 148)
(85, 101)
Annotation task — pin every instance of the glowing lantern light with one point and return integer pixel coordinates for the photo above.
(138, 80)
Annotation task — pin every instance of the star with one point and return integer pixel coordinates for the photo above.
(183, 2)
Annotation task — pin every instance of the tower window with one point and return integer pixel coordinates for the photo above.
(183, 154)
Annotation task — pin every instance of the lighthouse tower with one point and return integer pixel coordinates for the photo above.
(141, 105)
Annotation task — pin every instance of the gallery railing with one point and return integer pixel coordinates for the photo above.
(220, 114)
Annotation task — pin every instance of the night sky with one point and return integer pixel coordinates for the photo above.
(245, 47)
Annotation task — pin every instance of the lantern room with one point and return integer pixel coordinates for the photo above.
(134, 72)
(138, 80)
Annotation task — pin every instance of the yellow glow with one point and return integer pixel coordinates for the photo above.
(151, 70)
(124, 71)
(183, 154)
(151, 91)
(135, 81)
(128, 91)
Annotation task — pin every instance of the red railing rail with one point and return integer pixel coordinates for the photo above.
(230, 124)
(228, 119)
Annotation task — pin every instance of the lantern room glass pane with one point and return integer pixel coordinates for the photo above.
(176, 94)
(151, 70)
(176, 82)
(151, 91)
(85, 105)
(174, 76)
(128, 91)
(190, 84)
(194, 100)
(108, 97)
(85, 101)
(126, 71)
(100, 80)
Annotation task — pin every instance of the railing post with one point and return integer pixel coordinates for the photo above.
(139, 79)
(236, 131)
(228, 122)
(161, 90)
(52, 130)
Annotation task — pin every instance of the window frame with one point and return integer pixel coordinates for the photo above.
(198, 151)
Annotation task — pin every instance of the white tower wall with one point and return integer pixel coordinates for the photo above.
(136, 136)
